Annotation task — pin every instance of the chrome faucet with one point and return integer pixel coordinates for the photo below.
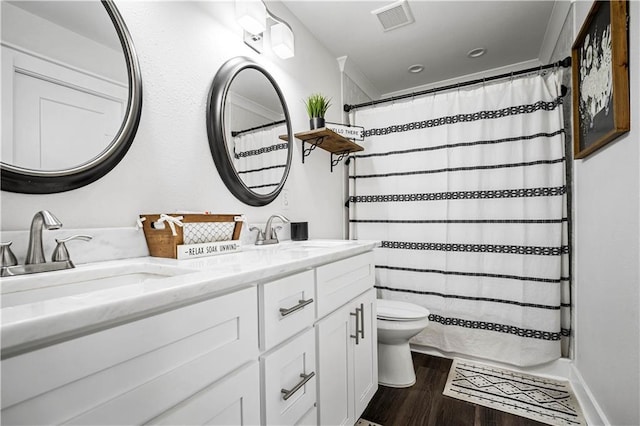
(35, 252)
(35, 261)
(269, 235)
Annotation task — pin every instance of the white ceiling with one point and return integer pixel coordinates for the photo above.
(442, 34)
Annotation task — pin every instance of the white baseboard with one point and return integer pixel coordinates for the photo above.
(592, 411)
(561, 369)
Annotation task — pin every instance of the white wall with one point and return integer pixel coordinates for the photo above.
(607, 258)
(181, 45)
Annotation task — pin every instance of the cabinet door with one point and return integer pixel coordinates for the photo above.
(309, 419)
(365, 355)
(335, 358)
(235, 400)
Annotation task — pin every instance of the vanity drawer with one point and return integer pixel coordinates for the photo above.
(338, 282)
(291, 368)
(131, 373)
(288, 307)
(234, 400)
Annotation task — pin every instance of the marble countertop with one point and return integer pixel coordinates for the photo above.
(28, 326)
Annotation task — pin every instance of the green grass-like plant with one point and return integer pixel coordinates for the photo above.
(317, 105)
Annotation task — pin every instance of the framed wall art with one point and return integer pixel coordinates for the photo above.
(601, 78)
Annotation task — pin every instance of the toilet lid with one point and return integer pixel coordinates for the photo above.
(400, 311)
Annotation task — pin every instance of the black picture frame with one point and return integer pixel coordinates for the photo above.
(601, 78)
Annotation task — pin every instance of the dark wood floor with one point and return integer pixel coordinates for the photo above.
(423, 403)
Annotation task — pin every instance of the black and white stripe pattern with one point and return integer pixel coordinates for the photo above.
(465, 118)
(260, 158)
(466, 191)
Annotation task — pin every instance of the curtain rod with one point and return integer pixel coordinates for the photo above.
(565, 63)
(264, 126)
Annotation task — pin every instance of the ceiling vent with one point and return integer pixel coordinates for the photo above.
(395, 15)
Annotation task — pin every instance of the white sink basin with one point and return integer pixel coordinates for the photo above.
(322, 244)
(33, 288)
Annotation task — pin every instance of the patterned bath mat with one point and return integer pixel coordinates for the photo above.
(544, 400)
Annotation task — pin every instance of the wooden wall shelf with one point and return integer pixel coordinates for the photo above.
(328, 140)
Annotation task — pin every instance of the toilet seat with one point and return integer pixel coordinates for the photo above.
(394, 310)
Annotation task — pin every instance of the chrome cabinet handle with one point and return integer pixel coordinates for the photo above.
(358, 317)
(361, 321)
(301, 304)
(305, 378)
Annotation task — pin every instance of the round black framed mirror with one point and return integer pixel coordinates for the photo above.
(75, 94)
(249, 131)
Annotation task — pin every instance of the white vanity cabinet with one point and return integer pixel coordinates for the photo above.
(269, 349)
(328, 373)
(347, 340)
(135, 372)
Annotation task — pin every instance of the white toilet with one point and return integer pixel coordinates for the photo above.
(397, 323)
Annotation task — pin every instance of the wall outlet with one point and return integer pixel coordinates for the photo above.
(284, 196)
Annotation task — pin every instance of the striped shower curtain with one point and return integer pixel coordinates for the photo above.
(260, 158)
(467, 192)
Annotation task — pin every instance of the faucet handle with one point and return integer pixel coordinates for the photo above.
(274, 232)
(61, 254)
(7, 258)
(260, 236)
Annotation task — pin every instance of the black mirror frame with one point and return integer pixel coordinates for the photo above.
(217, 140)
(29, 181)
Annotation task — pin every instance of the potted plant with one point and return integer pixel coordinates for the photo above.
(317, 106)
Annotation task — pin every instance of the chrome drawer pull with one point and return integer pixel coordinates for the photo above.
(362, 321)
(301, 304)
(305, 379)
(357, 315)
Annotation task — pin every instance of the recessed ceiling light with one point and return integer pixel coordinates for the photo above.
(416, 68)
(477, 52)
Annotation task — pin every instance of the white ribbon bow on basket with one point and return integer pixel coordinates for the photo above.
(171, 221)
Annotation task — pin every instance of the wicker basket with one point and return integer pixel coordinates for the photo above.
(196, 229)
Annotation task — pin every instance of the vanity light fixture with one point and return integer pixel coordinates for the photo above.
(254, 17)
(282, 42)
(251, 15)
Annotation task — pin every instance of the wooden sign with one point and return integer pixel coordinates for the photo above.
(349, 132)
(191, 251)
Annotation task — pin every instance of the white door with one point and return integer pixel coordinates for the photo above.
(335, 375)
(57, 126)
(54, 116)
